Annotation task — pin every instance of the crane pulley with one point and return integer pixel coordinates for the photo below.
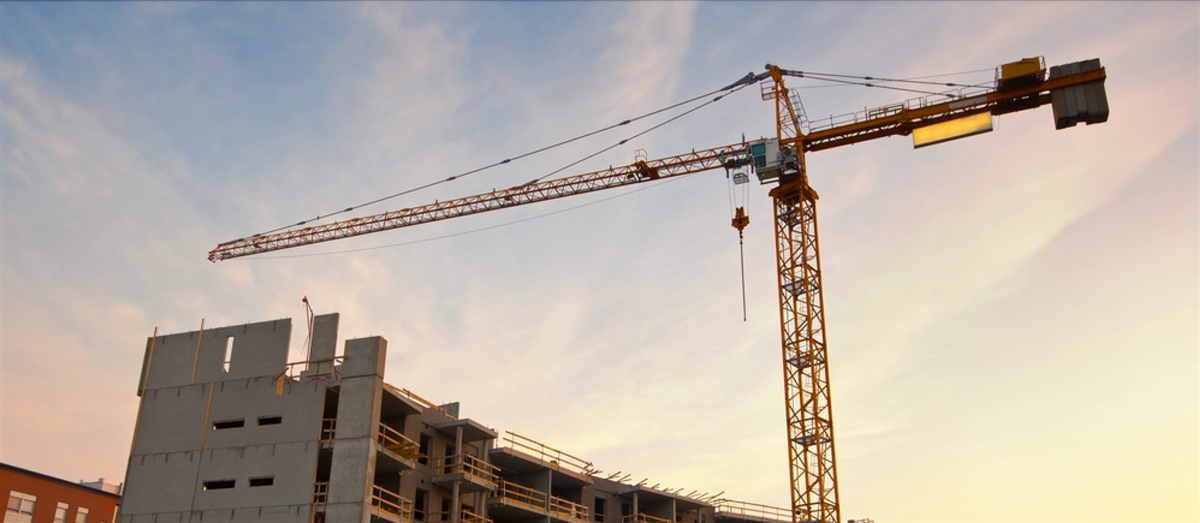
(1075, 90)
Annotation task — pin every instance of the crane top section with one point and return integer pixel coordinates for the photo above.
(1076, 91)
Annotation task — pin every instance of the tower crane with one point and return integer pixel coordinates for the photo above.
(1074, 90)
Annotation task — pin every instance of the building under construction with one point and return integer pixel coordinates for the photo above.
(228, 430)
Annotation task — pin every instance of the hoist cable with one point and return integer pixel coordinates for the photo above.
(822, 76)
(638, 135)
(730, 88)
(867, 84)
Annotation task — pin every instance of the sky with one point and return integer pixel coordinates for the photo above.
(1013, 318)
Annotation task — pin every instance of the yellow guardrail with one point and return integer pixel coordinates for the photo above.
(328, 428)
(568, 509)
(394, 441)
(294, 371)
(752, 510)
(464, 516)
(643, 518)
(391, 502)
(320, 492)
(547, 455)
(420, 401)
(521, 494)
(471, 466)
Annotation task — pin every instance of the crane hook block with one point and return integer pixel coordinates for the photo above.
(740, 219)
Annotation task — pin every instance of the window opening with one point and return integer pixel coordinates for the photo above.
(228, 354)
(221, 484)
(598, 514)
(81, 515)
(270, 420)
(229, 424)
(21, 503)
(424, 450)
(60, 513)
(445, 515)
(419, 505)
(264, 481)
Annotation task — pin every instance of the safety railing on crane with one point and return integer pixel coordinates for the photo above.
(746, 510)
(875, 113)
(547, 456)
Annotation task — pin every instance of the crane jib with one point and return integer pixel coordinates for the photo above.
(642, 171)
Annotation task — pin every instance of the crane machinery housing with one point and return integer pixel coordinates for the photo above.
(1074, 90)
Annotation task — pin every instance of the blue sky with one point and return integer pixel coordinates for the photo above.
(1011, 317)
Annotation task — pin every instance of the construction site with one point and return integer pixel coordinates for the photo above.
(229, 430)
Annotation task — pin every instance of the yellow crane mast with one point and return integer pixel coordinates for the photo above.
(1075, 90)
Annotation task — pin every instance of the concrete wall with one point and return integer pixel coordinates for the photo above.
(188, 432)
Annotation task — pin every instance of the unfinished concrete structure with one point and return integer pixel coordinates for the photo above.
(229, 431)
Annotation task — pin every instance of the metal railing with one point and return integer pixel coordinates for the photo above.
(643, 518)
(868, 114)
(420, 401)
(328, 428)
(567, 509)
(521, 494)
(391, 502)
(320, 493)
(394, 441)
(469, 465)
(464, 516)
(537, 499)
(299, 369)
(548, 456)
(745, 509)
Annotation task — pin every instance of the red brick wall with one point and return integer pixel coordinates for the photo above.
(52, 491)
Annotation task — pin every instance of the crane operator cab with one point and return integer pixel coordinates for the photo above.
(771, 162)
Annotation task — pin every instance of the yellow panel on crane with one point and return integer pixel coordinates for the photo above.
(952, 130)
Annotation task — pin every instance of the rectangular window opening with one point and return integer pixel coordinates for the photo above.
(598, 514)
(264, 481)
(21, 503)
(424, 449)
(419, 505)
(229, 424)
(228, 354)
(60, 513)
(81, 515)
(270, 420)
(220, 484)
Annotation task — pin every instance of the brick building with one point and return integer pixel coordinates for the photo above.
(34, 497)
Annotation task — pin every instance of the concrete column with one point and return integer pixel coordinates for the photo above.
(455, 503)
(352, 474)
(324, 342)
